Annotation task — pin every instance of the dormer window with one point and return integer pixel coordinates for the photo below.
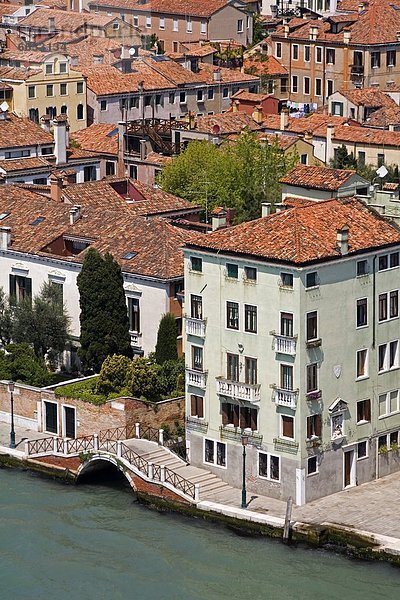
(63, 67)
(49, 69)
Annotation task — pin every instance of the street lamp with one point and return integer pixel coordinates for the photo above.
(245, 439)
(11, 386)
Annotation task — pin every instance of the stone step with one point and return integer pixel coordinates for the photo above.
(212, 486)
(201, 478)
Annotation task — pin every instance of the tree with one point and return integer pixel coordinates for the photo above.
(344, 160)
(6, 319)
(144, 378)
(104, 319)
(238, 175)
(166, 348)
(113, 374)
(20, 363)
(259, 32)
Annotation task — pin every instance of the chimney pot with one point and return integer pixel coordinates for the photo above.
(74, 214)
(342, 240)
(284, 119)
(265, 209)
(5, 238)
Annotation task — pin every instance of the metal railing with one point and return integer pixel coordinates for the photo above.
(180, 483)
(134, 458)
(118, 433)
(82, 444)
(40, 446)
(149, 433)
(108, 446)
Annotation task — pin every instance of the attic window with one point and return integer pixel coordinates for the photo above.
(38, 220)
(3, 215)
(129, 255)
(112, 133)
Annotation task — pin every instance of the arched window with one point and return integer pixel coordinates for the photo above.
(79, 112)
(34, 115)
(64, 109)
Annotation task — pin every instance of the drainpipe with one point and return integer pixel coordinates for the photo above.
(373, 302)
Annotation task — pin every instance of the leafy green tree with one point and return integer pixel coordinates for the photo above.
(171, 377)
(166, 348)
(113, 374)
(144, 378)
(6, 319)
(259, 32)
(104, 319)
(344, 160)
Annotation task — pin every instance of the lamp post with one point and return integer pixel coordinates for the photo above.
(245, 439)
(12, 432)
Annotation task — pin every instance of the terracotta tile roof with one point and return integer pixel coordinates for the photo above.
(305, 234)
(367, 135)
(155, 158)
(24, 56)
(319, 178)
(79, 154)
(226, 123)
(63, 20)
(8, 9)
(227, 75)
(195, 8)
(315, 123)
(271, 66)
(13, 74)
(18, 131)
(390, 186)
(385, 116)
(105, 80)
(99, 137)
(251, 97)
(24, 164)
(284, 141)
(348, 5)
(174, 72)
(370, 97)
(192, 49)
(85, 50)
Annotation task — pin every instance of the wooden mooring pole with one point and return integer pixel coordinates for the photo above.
(287, 529)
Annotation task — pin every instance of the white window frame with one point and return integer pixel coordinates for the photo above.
(240, 28)
(268, 477)
(161, 23)
(316, 465)
(44, 417)
(366, 445)
(63, 427)
(334, 53)
(203, 27)
(189, 25)
(387, 404)
(148, 22)
(278, 49)
(386, 363)
(365, 375)
(215, 464)
(244, 318)
(175, 25)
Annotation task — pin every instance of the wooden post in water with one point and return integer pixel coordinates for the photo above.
(288, 517)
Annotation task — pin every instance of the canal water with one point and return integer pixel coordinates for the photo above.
(95, 542)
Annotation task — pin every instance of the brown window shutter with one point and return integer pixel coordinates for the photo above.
(193, 405)
(200, 406)
(253, 418)
(368, 410)
(318, 425)
(224, 408)
(243, 415)
(236, 416)
(287, 427)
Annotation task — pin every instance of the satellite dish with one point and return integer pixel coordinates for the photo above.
(132, 51)
(382, 171)
(4, 106)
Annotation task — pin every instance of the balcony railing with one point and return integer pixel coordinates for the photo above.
(196, 424)
(229, 432)
(357, 69)
(196, 378)
(284, 344)
(195, 327)
(286, 398)
(136, 339)
(238, 390)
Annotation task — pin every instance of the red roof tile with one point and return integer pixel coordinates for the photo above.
(18, 131)
(197, 8)
(320, 178)
(99, 137)
(271, 66)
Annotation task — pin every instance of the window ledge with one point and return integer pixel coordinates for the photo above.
(314, 343)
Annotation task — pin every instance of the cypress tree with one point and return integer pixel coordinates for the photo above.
(103, 317)
(166, 348)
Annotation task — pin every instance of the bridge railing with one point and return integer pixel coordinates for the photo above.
(118, 433)
(108, 446)
(40, 446)
(180, 483)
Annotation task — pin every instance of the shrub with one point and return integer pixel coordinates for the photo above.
(143, 379)
(21, 364)
(82, 390)
(113, 374)
(166, 348)
(172, 374)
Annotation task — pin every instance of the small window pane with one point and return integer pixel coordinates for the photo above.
(394, 260)
(312, 465)
(232, 270)
(311, 279)
(287, 280)
(361, 449)
(383, 262)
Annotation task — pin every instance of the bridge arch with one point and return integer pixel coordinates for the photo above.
(97, 464)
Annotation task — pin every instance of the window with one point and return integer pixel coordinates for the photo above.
(232, 270)
(269, 466)
(20, 287)
(311, 326)
(391, 58)
(388, 305)
(284, 85)
(63, 67)
(135, 21)
(318, 86)
(388, 403)
(362, 450)
(148, 22)
(203, 27)
(318, 54)
(175, 25)
(304, 159)
(215, 453)
(79, 87)
(182, 97)
(232, 367)
(162, 23)
(250, 318)
(197, 358)
(239, 416)
(240, 26)
(132, 171)
(362, 312)
(362, 268)
(200, 96)
(31, 91)
(306, 85)
(312, 465)
(394, 260)
(197, 406)
(51, 417)
(314, 426)
(330, 56)
(388, 261)
(375, 60)
(362, 363)
(196, 264)
(330, 87)
(50, 89)
(312, 377)
(286, 377)
(295, 52)
(225, 92)
(388, 356)
(232, 315)
(382, 308)
(337, 109)
(17, 154)
(394, 354)
(188, 25)
(380, 159)
(171, 97)
(295, 84)
(287, 427)
(250, 273)
(286, 324)
(49, 69)
(147, 100)
(63, 89)
(363, 411)
(134, 314)
(312, 279)
(287, 280)
(250, 370)
(210, 94)
(278, 49)
(306, 53)
(89, 173)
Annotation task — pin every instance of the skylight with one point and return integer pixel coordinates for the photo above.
(129, 255)
(112, 133)
(3, 215)
(38, 220)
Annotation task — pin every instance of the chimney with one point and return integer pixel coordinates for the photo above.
(45, 123)
(218, 218)
(284, 119)
(308, 137)
(121, 148)
(5, 238)
(143, 149)
(74, 214)
(52, 25)
(313, 32)
(74, 60)
(56, 187)
(217, 75)
(346, 36)
(60, 139)
(330, 131)
(286, 30)
(265, 209)
(362, 6)
(398, 36)
(235, 106)
(342, 240)
(257, 114)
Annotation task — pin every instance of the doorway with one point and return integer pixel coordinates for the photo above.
(349, 468)
(69, 422)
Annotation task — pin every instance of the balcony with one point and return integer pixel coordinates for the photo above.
(196, 424)
(286, 398)
(136, 339)
(284, 344)
(195, 327)
(196, 378)
(238, 390)
(314, 343)
(357, 70)
(235, 434)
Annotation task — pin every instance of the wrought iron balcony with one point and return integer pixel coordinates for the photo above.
(357, 70)
(229, 432)
(284, 344)
(196, 424)
(238, 390)
(286, 398)
(196, 378)
(195, 327)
